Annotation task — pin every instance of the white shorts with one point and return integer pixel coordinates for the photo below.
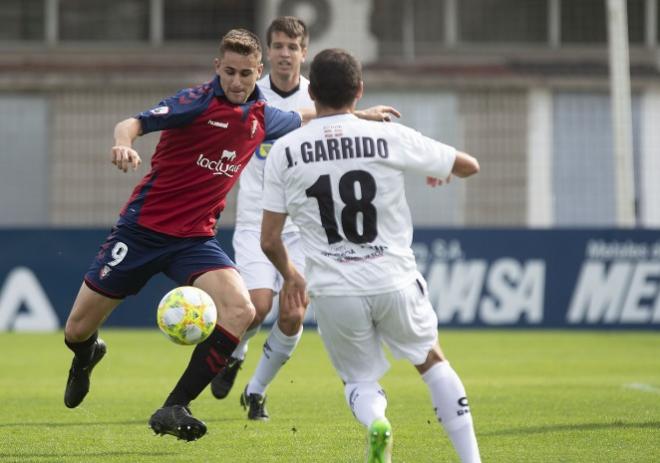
(353, 329)
(255, 268)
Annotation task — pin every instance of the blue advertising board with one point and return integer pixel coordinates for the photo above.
(603, 278)
(555, 278)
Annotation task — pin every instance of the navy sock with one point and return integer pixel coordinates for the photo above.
(207, 360)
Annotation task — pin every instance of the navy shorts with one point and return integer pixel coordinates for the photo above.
(131, 255)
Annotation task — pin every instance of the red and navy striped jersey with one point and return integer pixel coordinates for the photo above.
(205, 143)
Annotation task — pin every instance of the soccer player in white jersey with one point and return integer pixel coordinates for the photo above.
(284, 88)
(341, 181)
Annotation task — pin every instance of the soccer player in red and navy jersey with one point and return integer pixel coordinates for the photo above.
(208, 135)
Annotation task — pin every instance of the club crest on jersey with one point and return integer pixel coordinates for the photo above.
(228, 155)
(104, 272)
(223, 166)
(160, 110)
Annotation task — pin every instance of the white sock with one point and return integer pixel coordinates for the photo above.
(277, 350)
(367, 401)
(242, 347)
(451, 408)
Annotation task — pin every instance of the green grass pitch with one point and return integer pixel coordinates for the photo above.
(536, 396)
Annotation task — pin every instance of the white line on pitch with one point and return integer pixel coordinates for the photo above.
(643, 387)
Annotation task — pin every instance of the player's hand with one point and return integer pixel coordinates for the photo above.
(378, 113)
(294, 290)
(434, 181)
(124, 157)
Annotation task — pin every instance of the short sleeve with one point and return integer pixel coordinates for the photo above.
(176, 110)
(274, 197)
(419, 153)
(279, 123)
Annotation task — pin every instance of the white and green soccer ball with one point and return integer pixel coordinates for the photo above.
(187, 315)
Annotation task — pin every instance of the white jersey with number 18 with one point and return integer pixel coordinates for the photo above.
(341, 180)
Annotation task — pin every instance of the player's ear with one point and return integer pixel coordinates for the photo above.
(260, 69)
(216, 65)
(311, 93)
(304, 54)
(360, 91)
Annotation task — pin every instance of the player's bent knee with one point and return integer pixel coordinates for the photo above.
(75, 331)
(291, 315)
(247, 313)
(290, 322)
(260, 313)
(434, 356)
(236, 316)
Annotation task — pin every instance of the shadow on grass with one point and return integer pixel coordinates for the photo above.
(99, 423)
(85, 454)
(572, 428)
(72, 423)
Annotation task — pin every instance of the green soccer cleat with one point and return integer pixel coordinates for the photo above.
(380, 442)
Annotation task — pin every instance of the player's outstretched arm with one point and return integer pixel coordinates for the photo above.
(465, 165)
(306, 114)
(122, 154)
(375, 113)
(378, 113)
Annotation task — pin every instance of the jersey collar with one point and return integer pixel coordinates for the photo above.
(282, 93)
(334, 116)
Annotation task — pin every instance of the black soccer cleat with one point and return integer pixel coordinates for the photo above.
(77, 384)
(224, 381)
(177, 421)
(255, 405)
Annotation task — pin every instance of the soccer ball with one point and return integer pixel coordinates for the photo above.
(187, 315)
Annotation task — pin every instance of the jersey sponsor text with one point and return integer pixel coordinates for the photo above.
(220, 167)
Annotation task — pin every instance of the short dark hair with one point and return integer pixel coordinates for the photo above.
(240, 41)
(291, 26)
(334, 78)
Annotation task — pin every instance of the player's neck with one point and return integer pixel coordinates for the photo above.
(326, 111)
(285, 83)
